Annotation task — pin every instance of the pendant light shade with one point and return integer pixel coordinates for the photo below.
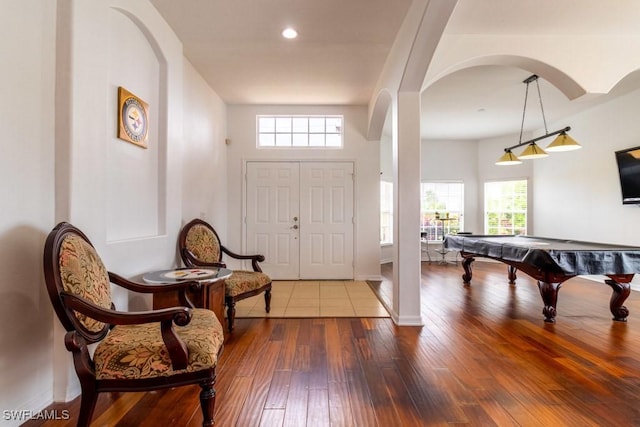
(533, 151)
(563, 142)
(508, 158)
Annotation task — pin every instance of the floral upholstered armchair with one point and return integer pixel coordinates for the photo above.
(135, 351)
(200, 246)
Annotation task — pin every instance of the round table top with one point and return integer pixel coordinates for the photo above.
(175, 275)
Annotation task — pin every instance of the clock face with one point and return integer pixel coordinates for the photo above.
(134, 120)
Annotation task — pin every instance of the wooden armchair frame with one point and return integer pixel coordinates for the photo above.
(78, 336)
(191, 260)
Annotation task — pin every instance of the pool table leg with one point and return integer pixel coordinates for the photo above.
(466, 264)
(511, 274)
(549, 293)
(621, 290)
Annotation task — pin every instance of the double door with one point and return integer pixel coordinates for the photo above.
(300, 216)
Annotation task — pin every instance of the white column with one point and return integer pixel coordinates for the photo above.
(406, 218)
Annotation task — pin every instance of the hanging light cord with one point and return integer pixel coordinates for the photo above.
(510, 158)
(544, 120)
(524, 111)
(534, 78)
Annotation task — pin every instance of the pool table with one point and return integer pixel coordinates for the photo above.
(553, 261)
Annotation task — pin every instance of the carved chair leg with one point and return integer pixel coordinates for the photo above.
(267, 300)
(231, 312)
(207, 401)
(87, 405)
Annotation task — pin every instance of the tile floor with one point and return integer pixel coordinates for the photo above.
(315, 298)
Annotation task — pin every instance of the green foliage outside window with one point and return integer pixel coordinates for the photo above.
(437, 200)
(506, 207)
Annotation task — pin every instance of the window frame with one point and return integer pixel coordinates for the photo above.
(386, 213)
(291, 132)
(431, 228)
(512, 212)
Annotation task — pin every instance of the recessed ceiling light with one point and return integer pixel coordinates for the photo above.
(289, 33)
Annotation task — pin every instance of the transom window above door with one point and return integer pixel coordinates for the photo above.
(299, 131)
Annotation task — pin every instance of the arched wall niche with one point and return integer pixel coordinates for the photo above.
(136, 177)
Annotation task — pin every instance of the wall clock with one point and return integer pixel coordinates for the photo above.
(133, 118)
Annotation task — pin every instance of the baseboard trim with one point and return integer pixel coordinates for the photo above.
(407, 320)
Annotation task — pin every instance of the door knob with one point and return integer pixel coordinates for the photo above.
(295, 227)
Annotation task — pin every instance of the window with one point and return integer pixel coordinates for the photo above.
(441, 209)
(505, 206)
(386, 212)
(299, 131)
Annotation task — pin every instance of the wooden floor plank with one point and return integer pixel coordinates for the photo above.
(340, 411)
(272, 418)
(297, 406)
(161, 410)
(360, 400)
(318, 408)
(381, 400)
(318, 372)
(234, 397)
(256, 399)
(118, 409)
(336, 371)
(483, 357)
(278, 390)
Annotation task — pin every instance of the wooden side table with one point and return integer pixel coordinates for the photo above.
(209, 296)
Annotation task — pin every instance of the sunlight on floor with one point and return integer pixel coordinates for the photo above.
(315, 298)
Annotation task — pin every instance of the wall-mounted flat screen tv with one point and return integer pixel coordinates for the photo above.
(629, 169)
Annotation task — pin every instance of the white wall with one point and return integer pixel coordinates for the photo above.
(365, 154)
(27, 49)
(577, 193)
(488, 153)
(204, 179)
(127, 199)
(135, 175)
(444, 161)
(454, 161)
(62, 161)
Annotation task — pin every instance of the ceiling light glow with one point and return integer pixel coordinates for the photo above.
(289, 33)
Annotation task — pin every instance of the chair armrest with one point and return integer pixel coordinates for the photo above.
(255, 259)
(190, 260)
(181, 316)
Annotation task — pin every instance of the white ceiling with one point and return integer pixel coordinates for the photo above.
(237, 47)
(488, 101)
(337, 58)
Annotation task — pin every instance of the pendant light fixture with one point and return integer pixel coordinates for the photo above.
(533, 151)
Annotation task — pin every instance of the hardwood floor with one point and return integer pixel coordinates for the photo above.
(484, 357)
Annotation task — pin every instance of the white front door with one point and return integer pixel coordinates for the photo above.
(326, 221)
(272, 216)
(300, 216)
